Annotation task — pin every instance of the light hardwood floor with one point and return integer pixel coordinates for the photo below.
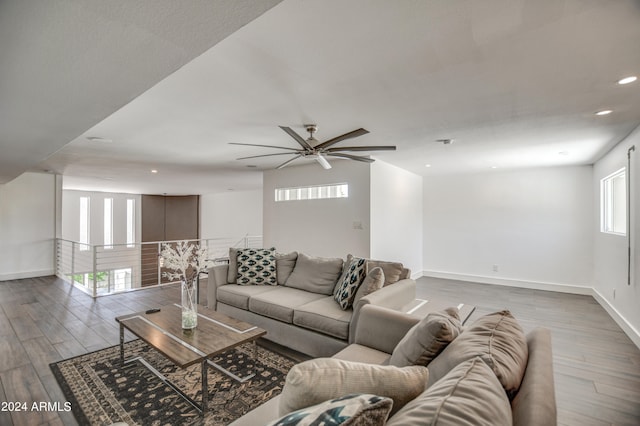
(42, 320)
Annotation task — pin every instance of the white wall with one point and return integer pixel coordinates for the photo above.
(71, 216)
(535, 225)
(27, 226)
(621, 300)
(319, 227)
(231, 214)
(396, 215)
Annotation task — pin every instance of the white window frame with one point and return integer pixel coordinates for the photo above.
(84, 223)
(312, 192)
(108, 223)
(131, 222)
(613, 203)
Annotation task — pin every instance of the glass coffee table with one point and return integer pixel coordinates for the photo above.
(214, 334)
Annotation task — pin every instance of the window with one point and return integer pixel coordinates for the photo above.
(84, 223)
(131, 221)
(613, 203)
(108, 223)
(317, 192)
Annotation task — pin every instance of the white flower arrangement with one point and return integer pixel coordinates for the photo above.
(185, 259)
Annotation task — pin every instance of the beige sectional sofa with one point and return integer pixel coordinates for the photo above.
(300, 312)
(490, 373)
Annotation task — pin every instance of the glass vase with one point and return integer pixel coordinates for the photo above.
(189, 304)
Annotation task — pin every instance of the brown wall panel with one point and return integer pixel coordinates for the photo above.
(181, 218)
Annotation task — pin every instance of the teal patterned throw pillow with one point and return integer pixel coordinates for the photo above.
(354, 409)
(353, 276)
(256, 267)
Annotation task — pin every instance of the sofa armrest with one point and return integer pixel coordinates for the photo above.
(393, 296)
(382, 328)
(535, 402)
(217, 277)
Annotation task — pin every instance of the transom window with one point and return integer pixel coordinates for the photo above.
(315, 192)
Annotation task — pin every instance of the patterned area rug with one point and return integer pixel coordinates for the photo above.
(101, 392)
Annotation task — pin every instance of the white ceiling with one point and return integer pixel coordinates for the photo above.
(514, 83)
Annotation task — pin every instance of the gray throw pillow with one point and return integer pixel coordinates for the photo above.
(498, 339)
(285, 262)
(232, 272)
(320, 379)
(469, 395)
(315, 274)
(372, 282)
(425, 340)
(392, 270)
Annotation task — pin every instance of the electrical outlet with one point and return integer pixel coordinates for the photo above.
(495, 268)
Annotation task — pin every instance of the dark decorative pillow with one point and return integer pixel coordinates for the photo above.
(353, 409)
(257, 267)
(353, 277)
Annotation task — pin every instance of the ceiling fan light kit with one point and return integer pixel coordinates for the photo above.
(319, 151)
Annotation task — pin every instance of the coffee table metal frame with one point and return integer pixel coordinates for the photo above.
(161, 331)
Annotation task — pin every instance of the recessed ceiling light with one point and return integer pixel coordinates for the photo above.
(154, 171)
(604, 112)
(427, 165)
(494, 167)
(627, 80)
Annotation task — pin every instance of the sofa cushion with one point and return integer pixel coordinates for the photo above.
(315, 274)
(324, 315)
(498, 339)
(320, 379)
(361, 353)
(353, 409)
(392, 270)
(280, 303)
(374, 280)
(427, 339)
(239, 295)
(469, 395)
(285, 262)
(352, 278)
(256, 267)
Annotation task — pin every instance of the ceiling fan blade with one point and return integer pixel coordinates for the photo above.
(352, 157)
(323, 162)
(288, 161)
(297, 137)
(264, 146)
(362, 148)
(351, 134)
(265, 155)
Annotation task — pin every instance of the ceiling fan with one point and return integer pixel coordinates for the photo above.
(312, 148)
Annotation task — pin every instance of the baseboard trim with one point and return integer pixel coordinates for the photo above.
(27, 274)
(628, 329)
(533, 285)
